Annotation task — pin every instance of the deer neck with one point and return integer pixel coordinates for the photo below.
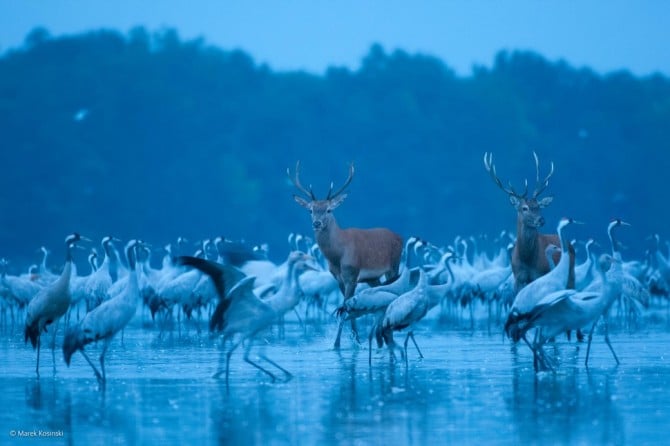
(331, 241)
(527, 242)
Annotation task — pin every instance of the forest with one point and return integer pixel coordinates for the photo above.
(150, 136)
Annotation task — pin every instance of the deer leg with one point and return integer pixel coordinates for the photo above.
(350, 278)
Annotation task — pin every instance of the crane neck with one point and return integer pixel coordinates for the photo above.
(43, 265)
(287, 296)
(616, 246)
(130, 256)
(450, 271)
(64, 278)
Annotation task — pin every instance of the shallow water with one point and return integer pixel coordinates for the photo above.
(470, 388)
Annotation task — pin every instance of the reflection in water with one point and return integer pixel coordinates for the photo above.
(468, 389)
(571, 406)
(384, 401)
(51, 405)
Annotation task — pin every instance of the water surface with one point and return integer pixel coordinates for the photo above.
(470, 388)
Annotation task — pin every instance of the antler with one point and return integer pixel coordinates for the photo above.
(296, 182)
(491, 169)
(541, 186)
(332, 195)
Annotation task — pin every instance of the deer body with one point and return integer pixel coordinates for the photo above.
(359, 255)
(354, 255)
(528, 257)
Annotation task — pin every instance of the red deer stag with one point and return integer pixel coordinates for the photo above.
(354, 255)
(528, 258)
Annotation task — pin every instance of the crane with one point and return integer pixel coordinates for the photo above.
(50, 303)
(107, 319)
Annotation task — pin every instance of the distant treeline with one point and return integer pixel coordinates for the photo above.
(146, 135)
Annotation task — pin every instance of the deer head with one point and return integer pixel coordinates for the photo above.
(321, 210)
(528, 208)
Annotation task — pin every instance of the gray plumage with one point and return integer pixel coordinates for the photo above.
(50, 303)
(105, 320)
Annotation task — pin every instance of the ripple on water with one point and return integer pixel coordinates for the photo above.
(470, 387)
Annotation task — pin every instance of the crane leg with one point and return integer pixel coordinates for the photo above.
(39, 343)
(354, 331)
(220, 369)
(336, 346)
(532, 349)
(102, 359)
(95, 370)
(390, 342)
(411, 335)
(53, 344)
(372, 332)
(607, 340)
(588, 344)
(248, 360)
(286, 372)
(228, 354)
(302, 325)
(540, 360)
(405, 348)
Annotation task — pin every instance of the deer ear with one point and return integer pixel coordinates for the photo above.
(514, 200)
(335, 202)
(546, 201)
(302, 202)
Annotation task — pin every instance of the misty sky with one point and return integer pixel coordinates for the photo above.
(605, 35)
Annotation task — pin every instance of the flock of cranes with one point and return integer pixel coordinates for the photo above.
(353, 274)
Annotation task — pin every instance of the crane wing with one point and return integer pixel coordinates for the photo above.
(223, 276)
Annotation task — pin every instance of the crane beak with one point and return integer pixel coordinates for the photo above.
(309, 267)
(309, 262)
